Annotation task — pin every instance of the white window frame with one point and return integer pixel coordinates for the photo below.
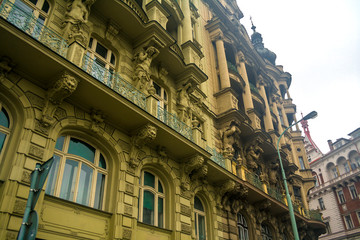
(267, 234)
(157, 195)
(335, 172)
(196, 215)
(351, 225)
(163, 98)
(5, 130)
(353, 192)
(37, 8)
(64, 155)
(241, 225)
(92, 51)
(346, 167)
(321, 204)
(339, 197)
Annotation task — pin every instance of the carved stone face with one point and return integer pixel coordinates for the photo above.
(70, 83)
(151, 132)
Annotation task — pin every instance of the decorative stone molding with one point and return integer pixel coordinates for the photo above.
(194, 169)
(253, 152)
(183, 100)
(19, 206)
(230, 136)
(126, 234)
(142, 61)
(96, 119)
(141, 137)
(6, 66)
(76, 23)
(112, 29)
(62, 89)
(231, 195)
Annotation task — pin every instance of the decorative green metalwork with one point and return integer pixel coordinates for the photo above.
(232, 67)
(31, 25)
(315, 215)
(172, 121)
(254, 88)
(254, 179)
(275, 194)
(114, 81)
(216, 156)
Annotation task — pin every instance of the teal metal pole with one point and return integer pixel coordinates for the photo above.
(32, 190)
(291, 209)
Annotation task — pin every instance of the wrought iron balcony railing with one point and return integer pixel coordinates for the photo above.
(276, 194)
(172, 121)
(114, 81)
(216, 156)
(31, 25)
(254, 179)
(254, 88)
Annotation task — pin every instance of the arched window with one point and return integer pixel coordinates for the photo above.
(242, 227)
(78, 173)
(152, 200)
(200, 221)
(99, 61)
(4, 127)
(265, 232)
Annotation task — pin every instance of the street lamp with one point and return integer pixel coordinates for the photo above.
(311, 115)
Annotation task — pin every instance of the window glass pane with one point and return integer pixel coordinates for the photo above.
(198, 205)
(2, 140)
(23, 6)
(102, 162)
(160, 187)
(84, 188)
(68, 181)
(149, 179)
(50, 186)
(4, 118)
(202, 232)
(160, 212)
(157, 89)
(99, 192)
(99, 63)
(33, 1)
(60, 143)
(101, 50)
(165, 96)
(90, 42)
(148, 208)
(45, 7)
(112, 59)
(81, 149)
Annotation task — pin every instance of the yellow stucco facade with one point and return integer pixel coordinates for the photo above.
(163, 118)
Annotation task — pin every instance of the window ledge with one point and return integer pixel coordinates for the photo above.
(155, 228)
(74, 204)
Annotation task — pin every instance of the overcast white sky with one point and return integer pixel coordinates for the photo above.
(318, 43)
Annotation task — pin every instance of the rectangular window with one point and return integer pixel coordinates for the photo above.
(346, 167)
(328, 229)
(353, 192)
(335, 172)
(321, 203)
(341, 196)
(302, 164)
(297, 192)
(348, 222)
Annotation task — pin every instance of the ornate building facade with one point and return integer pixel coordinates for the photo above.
(337, 189)
(162, 118)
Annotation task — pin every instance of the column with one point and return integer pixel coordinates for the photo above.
(276, 112)
(286, 121)
(248, 103)
(223, 68)
(267, 119)
(187, 28)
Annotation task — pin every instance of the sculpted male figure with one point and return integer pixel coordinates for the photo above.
(143, 61)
